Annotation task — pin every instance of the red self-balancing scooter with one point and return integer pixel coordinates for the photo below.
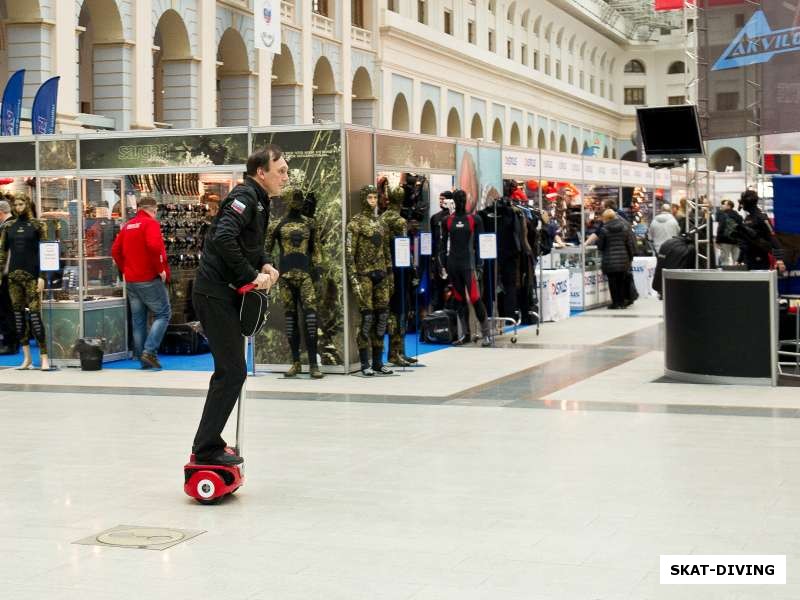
(208, 484)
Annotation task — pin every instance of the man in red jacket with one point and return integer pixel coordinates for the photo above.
(142, 259)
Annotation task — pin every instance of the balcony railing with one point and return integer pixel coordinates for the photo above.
(361, 38)
(322, 25)
(287, 11)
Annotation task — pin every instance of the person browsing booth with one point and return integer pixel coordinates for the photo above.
(233, 256)
(141, 257)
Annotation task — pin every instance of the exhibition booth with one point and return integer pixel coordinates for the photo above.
(572, 191)
(85, 186)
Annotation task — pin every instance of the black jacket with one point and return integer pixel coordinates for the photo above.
(728, 221)
(233, 252)
(615, 242)
(757, 241)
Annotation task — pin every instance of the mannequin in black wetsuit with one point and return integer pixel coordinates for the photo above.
(458, 257)
(437, 282)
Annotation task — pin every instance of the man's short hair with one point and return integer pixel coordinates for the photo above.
(728, 202)
(147, 202)
(260, 159)
(665, 207)
(610, 204)
(447, 195)
(5, 207)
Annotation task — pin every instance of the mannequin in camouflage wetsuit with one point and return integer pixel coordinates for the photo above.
(396, 226)
(299, 265)
(369, 272)
(19, 244)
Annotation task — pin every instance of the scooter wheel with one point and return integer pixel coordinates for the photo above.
(207, 487)
(513, 340)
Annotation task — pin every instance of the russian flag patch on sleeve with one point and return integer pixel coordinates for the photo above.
(238, 206)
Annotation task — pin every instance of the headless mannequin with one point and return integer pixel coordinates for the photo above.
(19, 245)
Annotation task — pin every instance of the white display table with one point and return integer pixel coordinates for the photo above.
(644, 268)
(554, 294)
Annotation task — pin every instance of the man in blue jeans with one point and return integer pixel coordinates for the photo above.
(142, 259)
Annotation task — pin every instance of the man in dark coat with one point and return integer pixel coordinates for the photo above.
(615, 243)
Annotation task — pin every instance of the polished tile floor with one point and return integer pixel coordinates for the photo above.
(469, 496)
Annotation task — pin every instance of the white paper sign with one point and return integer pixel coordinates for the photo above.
(268, 25)
(49, 256)
(402, 252)
(425, 243)
(487, 245)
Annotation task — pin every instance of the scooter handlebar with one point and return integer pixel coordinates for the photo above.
(248, 287)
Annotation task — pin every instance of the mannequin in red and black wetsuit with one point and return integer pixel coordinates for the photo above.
(458, 257)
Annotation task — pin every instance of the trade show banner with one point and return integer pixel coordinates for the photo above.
(480, 174)
(164, 151)
(43, 113)
(11, 109)
(267, 14)
(749, 42)
(315, 165)
(521, 164)
(411, 153)
(58, 155)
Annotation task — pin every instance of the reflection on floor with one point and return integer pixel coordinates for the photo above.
(429, 485)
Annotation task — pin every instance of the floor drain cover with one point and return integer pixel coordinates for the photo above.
(143, 538)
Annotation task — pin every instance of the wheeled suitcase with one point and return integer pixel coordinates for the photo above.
(440, 327)
(676, 253)
(184, 339)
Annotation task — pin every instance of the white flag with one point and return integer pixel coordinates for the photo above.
(268, 25)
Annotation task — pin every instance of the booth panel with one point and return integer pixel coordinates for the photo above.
(315, 166)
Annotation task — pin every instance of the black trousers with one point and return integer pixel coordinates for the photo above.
(618, 287)
(220, 320)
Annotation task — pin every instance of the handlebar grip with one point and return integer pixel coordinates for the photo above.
(248, 287)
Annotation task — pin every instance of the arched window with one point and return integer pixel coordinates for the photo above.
(428, 123)
(492, 7)
(363, 101)
(676, 68)
(526, 17)
(453, 124)
(400, 118)
(511, 9)
(634, 66)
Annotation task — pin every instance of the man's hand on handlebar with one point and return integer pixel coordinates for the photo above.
(263, 281)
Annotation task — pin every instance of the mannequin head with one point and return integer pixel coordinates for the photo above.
(294, 201)
(460, 200)
(5, 210)
(22, 207)
(369, 198)
(444, 197)
(396, 197)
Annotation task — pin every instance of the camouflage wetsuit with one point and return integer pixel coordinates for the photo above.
(20, 239)
(299, 266)
(396, 226)
(369, 272)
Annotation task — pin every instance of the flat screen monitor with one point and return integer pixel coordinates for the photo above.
(670, 131)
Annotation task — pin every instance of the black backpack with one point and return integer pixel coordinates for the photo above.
(676, 253)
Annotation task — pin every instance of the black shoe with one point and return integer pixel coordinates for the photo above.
(363, 356)
(409, 359)
(222, 458)
(614, 307)
(149, 361)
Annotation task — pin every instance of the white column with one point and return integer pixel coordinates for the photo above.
(346, 98)
(443, 112)
(113, 81)
(207, 99)
(181, 104)
(415, 110)
(143, 66)
(30, 47)
(387, 99)
(306, 57)
(263, 87)
(64, 63)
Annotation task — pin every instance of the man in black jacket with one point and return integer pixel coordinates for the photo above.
(233, 256)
